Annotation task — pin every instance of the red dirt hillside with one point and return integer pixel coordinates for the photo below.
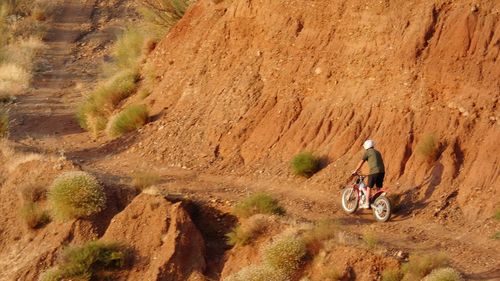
(245, 85)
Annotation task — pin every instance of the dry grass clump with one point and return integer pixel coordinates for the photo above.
(420, 266)
(281, 258)
(144, 179)
(392, 275)
(428, 147)
(85, 262)
(497, 215)
(370, 238)
(249, 229)
(444, 274)
(160, 15)
(34, 216)
(129, 119)
(4, 123)
(94, 112)
(305, 164)
(262, 272)
(285, 253)
(75, 195)
(259, 203)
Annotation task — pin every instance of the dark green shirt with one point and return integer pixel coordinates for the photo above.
(375, 161)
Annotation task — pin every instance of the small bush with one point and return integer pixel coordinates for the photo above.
(443, 274)
(285, 253)
(419, 266)
(93, 113)
(392, 275)
(32, 192)
(428, 147)
(259, 203)
(4, 123)
(497, 215)
(34, 216)
(128, 49)
(144, 179)
(259, 273)
(305, 164)
(84, 262)
(249, 230)
(129, 119)
(370, 238)
(76, 195)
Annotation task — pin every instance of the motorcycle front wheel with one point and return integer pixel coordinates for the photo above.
(349, 200)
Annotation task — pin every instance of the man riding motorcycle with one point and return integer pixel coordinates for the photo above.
(377, 169)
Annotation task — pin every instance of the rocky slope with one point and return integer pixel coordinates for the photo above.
(245, 85)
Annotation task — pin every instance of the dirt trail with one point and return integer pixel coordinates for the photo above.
(46, 113)
(44, 118)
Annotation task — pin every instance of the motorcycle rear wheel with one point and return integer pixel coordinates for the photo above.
(381, 209)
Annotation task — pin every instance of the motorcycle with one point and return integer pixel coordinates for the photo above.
(355, 195)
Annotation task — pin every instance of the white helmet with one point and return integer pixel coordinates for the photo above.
(368, 144)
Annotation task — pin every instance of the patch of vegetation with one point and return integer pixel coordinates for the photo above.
(127, 52)
(496, 236)
(285, 253)
(161, 15)
(370, 238)
(34, 216)
(4, 123)
(249, 230)
(85, 262)
(144, 179)
(419, 266)
(497, 215)
(428, 147)
(444, 274)
(392, 275)
(76, 195)
(129, 119)
(305, 164)
(93, 113)
(259, 203)
(322, 230)
(262, 272)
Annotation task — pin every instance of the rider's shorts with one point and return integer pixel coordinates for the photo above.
(376, 179)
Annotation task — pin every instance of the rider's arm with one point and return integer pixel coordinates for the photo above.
(359, 166)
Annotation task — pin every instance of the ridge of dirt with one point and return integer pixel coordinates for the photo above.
(241, 88)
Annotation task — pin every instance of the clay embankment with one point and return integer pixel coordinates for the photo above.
(243, 87)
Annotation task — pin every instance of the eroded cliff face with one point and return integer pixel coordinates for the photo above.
(244, 85)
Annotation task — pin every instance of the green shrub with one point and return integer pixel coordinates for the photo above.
(496, 236)
(84, 262)
(34, 216)
(4, 123)
(497, 215)
(285, 253)
(420, 266)
(129, 119)
(428, 147)
(76, 195)
(392, 275)
(259, 273)
(259, 203)
(305, 164)
(443, 274)
(144, 179)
